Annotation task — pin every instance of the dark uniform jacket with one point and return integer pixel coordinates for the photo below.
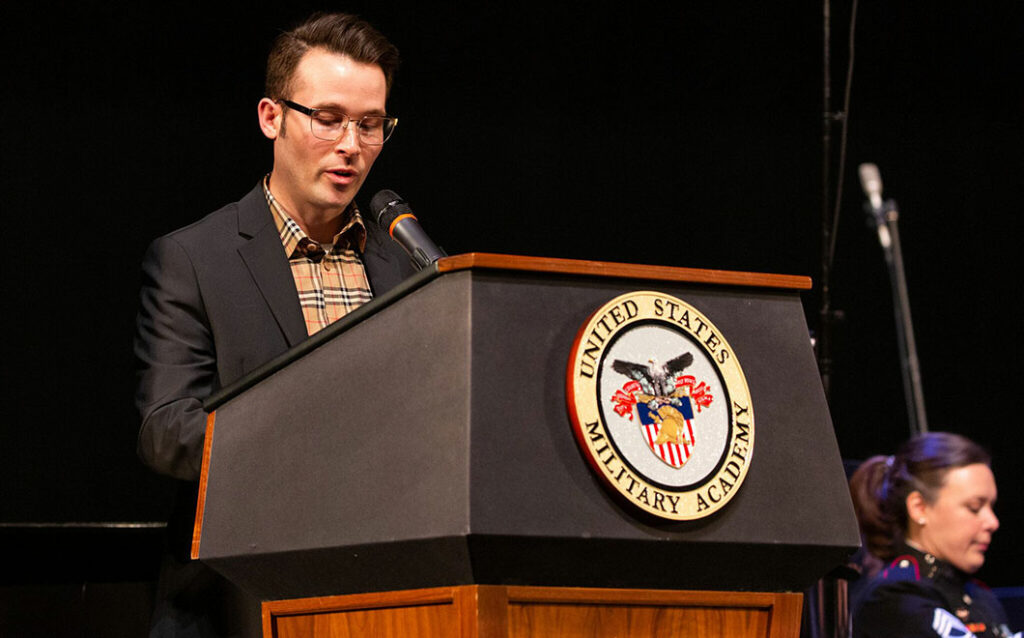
(918, 595)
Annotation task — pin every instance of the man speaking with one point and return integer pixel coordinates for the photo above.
(230, 292)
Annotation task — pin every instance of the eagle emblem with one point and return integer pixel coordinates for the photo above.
(663, 399)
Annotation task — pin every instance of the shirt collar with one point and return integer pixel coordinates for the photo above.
(352, 234)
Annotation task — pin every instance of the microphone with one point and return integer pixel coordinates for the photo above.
(394, 215)
(871, 182)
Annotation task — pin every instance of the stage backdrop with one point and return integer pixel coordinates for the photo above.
(683, 137)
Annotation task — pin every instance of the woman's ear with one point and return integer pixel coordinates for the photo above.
(916, 508)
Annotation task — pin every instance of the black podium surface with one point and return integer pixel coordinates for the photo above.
(429, 444)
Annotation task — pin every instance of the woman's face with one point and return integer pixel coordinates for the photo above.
(958, 526)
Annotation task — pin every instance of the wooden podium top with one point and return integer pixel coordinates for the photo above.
(614, 269)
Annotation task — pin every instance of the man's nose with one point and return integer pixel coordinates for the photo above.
(349, 140)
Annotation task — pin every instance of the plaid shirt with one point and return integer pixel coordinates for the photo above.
(330, 284)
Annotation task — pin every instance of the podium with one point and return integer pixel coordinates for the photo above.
(412, 469)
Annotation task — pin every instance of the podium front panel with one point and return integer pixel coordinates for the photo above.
(431, 446)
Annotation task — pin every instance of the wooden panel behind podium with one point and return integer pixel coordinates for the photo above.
(490, 611)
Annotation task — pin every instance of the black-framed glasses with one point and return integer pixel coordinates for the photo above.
(331, 125)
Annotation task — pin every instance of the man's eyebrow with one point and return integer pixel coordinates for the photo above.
(336, 108)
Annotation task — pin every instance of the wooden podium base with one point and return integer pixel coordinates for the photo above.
(497, 611)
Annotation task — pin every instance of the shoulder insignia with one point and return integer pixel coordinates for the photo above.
(903, 568)
(947, 625)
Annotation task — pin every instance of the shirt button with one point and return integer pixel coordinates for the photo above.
(327, 265)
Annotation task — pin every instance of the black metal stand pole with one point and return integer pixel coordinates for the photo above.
(823, 342)
(889, 237)
(826, 601)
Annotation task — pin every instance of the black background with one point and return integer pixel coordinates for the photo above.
(687, 137)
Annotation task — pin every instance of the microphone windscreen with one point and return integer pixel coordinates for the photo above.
(870, 179)
(386, 205)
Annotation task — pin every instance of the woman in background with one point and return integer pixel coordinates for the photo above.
(926, 513)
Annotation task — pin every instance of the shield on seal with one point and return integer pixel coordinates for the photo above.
(666, 424)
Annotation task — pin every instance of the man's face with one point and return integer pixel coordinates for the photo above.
(315, 178)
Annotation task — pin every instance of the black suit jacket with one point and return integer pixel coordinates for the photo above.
(218, 300)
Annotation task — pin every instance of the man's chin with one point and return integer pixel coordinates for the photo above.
(339, 196)
(334, 200)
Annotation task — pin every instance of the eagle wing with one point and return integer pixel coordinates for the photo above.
(636, 371)
(677, 365)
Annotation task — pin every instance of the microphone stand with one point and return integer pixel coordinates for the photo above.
(885, 221)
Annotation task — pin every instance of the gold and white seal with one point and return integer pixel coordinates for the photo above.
(660, 406)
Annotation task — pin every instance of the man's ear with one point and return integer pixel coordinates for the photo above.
(270, 114)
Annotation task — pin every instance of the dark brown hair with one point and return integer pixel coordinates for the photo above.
(336, 32)
(881, 484)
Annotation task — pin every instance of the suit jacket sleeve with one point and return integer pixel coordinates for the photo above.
(176, 362)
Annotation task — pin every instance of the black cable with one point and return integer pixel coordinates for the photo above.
(845, 115)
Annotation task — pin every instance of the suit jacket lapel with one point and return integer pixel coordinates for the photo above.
(264, 257)
(383, 260)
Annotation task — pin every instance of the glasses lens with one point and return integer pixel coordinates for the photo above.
(376, 130)
(328, 125)
(371, 129)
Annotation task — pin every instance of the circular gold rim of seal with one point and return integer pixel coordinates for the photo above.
(600, 329)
